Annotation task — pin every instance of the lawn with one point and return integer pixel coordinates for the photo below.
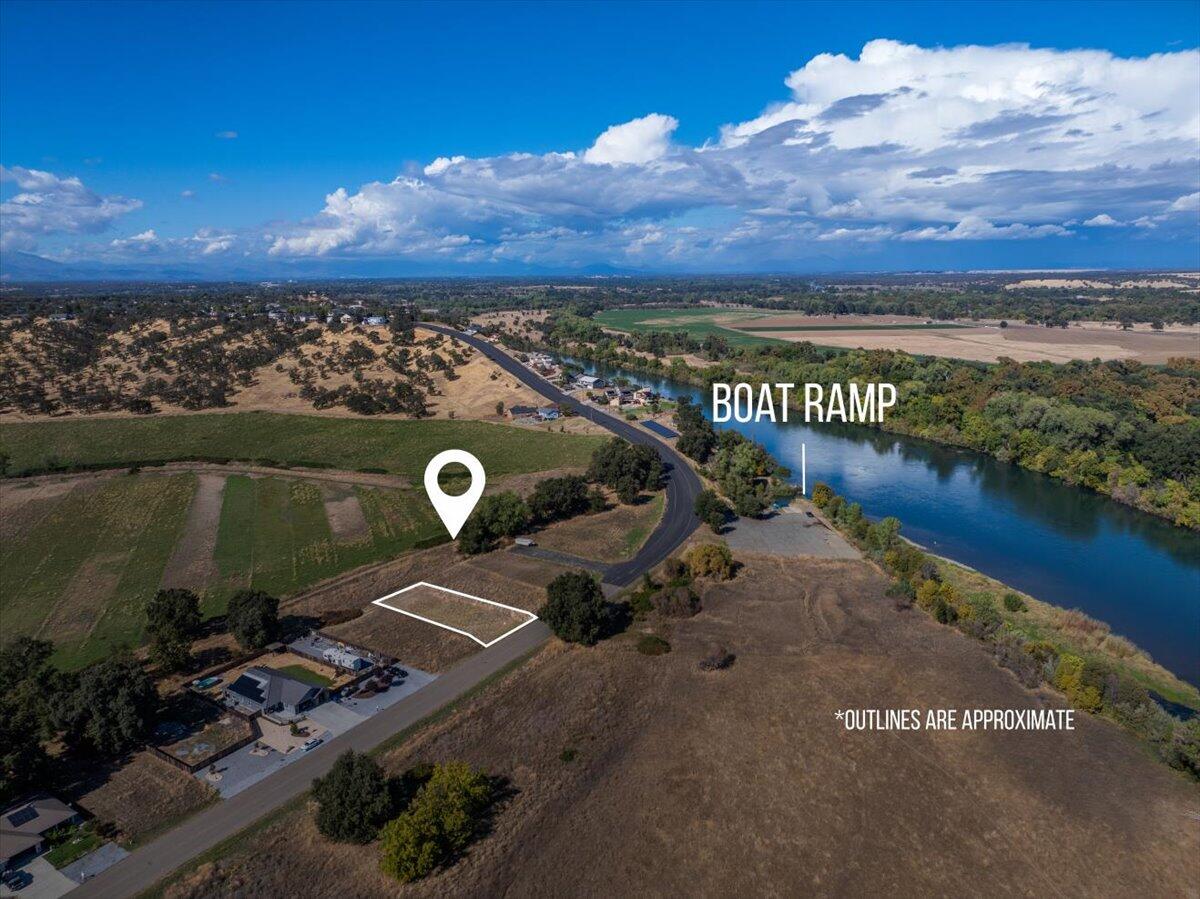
(305, 675)
(82, 573)
(73, 845)
(273, 535)
(698, 323)
(399, 447)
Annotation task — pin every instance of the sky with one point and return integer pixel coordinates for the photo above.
(463, 138)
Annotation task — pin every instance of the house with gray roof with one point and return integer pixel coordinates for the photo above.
(273, 693)
(23, 827)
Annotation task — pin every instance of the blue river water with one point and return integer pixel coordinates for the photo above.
(1061, 544)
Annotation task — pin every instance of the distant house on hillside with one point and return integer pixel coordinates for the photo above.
(275, 694)
(23, 827)
(588, 382)
(375, 320)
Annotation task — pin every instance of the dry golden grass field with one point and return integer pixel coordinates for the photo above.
(639, 775)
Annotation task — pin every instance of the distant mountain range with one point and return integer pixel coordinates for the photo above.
(21, 267)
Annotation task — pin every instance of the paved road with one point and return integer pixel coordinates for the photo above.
(149, 864)
(679, 519)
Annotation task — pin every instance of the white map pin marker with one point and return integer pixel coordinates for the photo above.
(454, 510)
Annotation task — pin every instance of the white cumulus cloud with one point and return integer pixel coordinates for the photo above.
(634, 143)
(47, 204)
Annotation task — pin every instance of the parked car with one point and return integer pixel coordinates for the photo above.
(17, 880)
(312, 744)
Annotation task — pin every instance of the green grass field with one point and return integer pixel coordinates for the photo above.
(937, 326)
(274, 536)
(398, 447)
(81, 573)
(698, 323)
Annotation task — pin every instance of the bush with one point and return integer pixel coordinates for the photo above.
(710, 560)
(1011, 654)
(718, 660)
(821, 495)
(944, 611)
(440, 822)
(676, 602)
(675, 571)
(650, 645)
(575, 608)
(1013, 602)
(253, 618)
(354, 799)
(902, 593)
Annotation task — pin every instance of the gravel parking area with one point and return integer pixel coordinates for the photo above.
(790, 532)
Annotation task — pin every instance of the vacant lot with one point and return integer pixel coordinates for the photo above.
(481, 620)
(82, 570)
(142, 797)
(398, 447)
(609, 536)
(413, 642)
(743, 782)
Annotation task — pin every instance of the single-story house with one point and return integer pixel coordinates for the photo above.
(23, 827)
(262, 689)
(340, 657)
(588, 382)
(548, 413)
(470, 332)
(375, 320)
(521, 411)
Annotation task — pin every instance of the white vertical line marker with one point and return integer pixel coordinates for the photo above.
(803, 470)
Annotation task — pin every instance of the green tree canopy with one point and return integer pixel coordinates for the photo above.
(354, 799)
(574, 608)
(253, 618)
(111, 708)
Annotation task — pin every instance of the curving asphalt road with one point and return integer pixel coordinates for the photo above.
(151, 863)
(679, 518)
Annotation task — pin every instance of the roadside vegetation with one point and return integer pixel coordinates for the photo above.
(1097, 671)
(423, 819)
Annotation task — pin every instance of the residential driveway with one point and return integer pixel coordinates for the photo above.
(94, 862)
(47, 882)
(335, 716)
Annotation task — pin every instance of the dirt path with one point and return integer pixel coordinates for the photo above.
(191, 564)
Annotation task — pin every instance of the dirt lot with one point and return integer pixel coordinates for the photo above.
(143, 796)
(743, 782)
(483, 621)
(609, 536)
(985, 342)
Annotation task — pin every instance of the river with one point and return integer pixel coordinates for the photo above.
(1061, 544)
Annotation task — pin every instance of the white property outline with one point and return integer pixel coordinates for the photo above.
(382, 602)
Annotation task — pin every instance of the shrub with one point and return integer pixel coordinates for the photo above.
(575, 608)
(674, 570)
(902, 593)
(944, 611)
(650, 645)
(1011, 654)
(676, 602)
(1013, 602)
(821, 495)
(441, 820)
(354, 799)
(717, 660)
(710, 560)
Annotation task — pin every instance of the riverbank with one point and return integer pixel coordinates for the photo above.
(1128, 482)
(1042, 645)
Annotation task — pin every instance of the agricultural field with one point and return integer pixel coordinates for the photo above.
(982, 341)
(699, 323)
(79, 566)
(398, 447)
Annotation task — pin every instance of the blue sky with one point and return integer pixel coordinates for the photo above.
(220, 135)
